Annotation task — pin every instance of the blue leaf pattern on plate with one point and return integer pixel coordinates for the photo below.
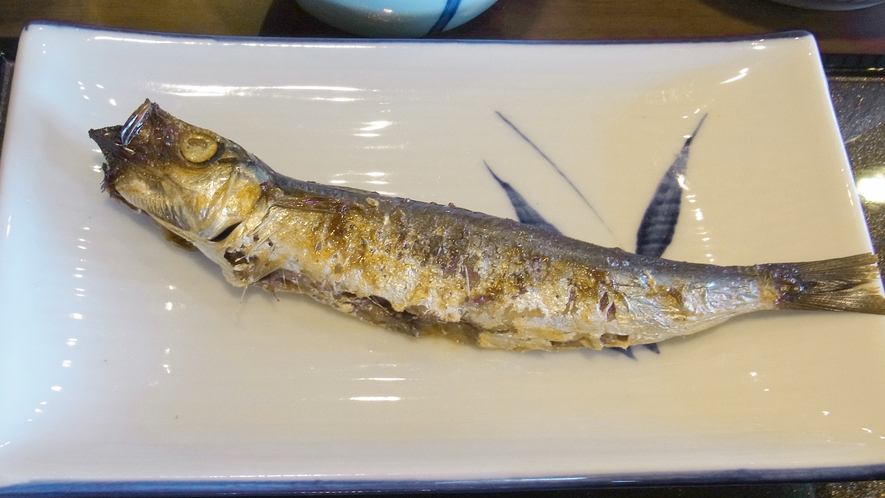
(524, 212)
(659, 222)
(555, 167)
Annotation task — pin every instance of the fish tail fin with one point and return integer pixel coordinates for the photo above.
(850, 283)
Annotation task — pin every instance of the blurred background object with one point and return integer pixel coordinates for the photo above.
(395, 18)
(860, 31)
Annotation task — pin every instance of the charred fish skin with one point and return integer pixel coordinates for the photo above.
(427, 269)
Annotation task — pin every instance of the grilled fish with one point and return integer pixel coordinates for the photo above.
(429, 269)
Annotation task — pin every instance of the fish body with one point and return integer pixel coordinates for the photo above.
(430, 269)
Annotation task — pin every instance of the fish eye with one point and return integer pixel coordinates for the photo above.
(198, 148)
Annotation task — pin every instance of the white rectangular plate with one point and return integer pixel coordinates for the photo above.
(126, 360)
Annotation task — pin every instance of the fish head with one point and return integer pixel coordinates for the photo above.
(192, 181)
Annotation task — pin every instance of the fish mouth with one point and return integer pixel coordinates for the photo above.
(119, 158)
(131, 127)
(115, 154)
(108, 140)
(114, 142)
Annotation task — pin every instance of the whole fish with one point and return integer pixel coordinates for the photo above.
(429, 269)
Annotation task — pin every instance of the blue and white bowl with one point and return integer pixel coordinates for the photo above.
(395, 18)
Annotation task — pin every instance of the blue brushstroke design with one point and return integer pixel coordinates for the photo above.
(555, 167)
(524, 212)
(628, 352)
(447, 14)
(659, 221)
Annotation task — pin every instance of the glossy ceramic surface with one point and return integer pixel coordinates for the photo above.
(395, 18)
(126, 359)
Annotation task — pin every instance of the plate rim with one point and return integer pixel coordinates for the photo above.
(794, 33)
(550, 483)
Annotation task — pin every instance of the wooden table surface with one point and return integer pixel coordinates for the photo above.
(857, 31)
